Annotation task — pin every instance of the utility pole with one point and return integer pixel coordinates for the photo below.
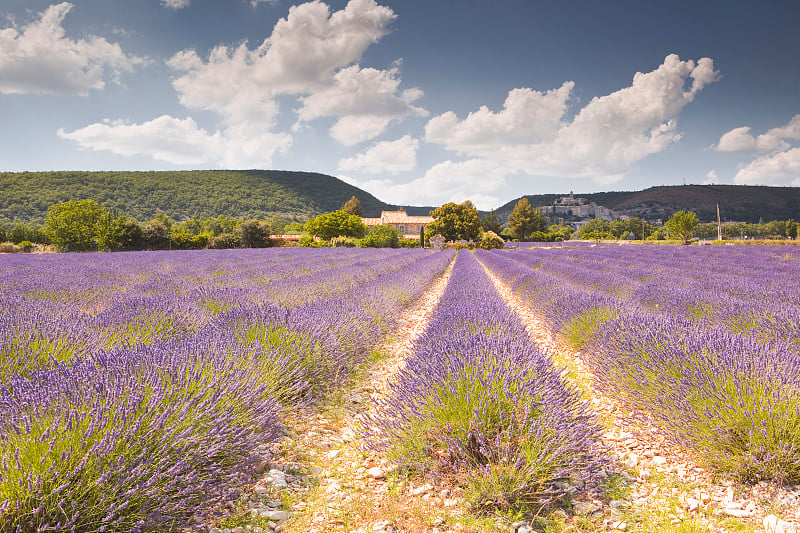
(719, 225)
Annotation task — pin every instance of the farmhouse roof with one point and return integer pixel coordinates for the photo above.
(397, 217)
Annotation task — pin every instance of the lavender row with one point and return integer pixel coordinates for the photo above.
(139, 437)
(730, 398)
(479, 403)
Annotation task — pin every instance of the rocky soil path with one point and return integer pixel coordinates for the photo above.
(323, 478)
(658, 481)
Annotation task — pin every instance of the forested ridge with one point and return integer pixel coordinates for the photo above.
(742, 203)
(25, 196)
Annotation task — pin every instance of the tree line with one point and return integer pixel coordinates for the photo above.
(86, 225)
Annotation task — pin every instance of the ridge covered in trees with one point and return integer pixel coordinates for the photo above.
(181, 195)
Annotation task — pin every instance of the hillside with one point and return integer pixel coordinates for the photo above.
(741, 203)
(204, 194)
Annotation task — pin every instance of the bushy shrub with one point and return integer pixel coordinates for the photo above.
(310, 242)
(9, 248)
(187, 241)
(253, 234)
(224, 241)
(541, 236)
(597, 236)
(408, 243)
(458, 246)
(381, 236)
(330, 225)
(341, 240)
(491, 240)
(156, 236)
(26, 246)
(128, 440)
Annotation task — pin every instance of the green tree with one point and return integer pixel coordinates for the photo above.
(182, 240)
(162, 217)
(294, 228)
(524, 220)
(156, 235)
(72, 225)
(561, 231)
(22, 231)
(598, 236)
(681, 225)
(596, 225)
(278, 224)
(224, 241)
(223, 224)
(330, 225)
(352, 206)
(455, 222)
(491, 240)
(791, 229)
(491, 222)
(193, 226)
(118, 233)
(381, 236)
(253, 234)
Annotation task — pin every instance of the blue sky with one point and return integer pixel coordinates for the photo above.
(418, 102)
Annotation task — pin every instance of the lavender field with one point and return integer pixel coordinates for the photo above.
(135, 388)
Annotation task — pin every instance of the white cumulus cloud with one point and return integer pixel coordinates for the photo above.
(711, 178)
(181, 142)
(40, 59)
(528, 116)
(604, 140)
(780, 163)
(741, 140)
(311, 53)
(478, 180)
(365, 99)
(780, 169)
(386, 157)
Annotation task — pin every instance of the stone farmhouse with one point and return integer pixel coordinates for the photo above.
(408, 226)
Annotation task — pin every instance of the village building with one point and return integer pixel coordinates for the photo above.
(577, 211)
(408, 226)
